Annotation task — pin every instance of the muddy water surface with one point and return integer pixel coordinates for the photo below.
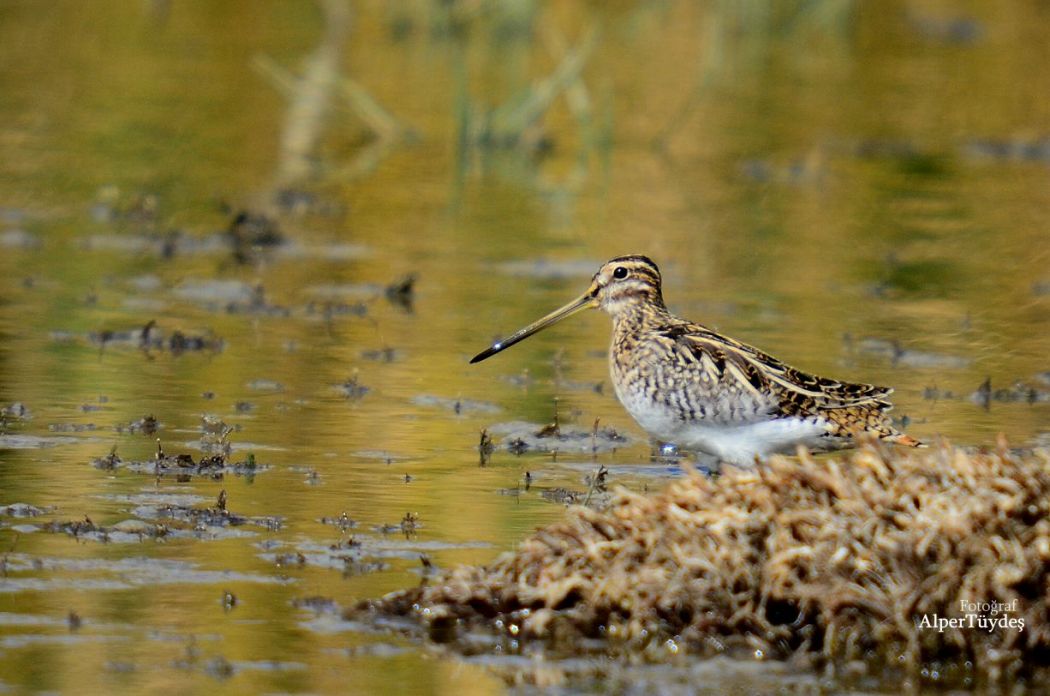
(862, 193)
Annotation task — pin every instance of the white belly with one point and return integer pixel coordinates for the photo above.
(739, 443)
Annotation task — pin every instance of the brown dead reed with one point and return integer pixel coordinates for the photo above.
(830, 563)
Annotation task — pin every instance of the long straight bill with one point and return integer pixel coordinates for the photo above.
(583, 302)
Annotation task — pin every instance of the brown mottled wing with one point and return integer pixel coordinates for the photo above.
(752, 370)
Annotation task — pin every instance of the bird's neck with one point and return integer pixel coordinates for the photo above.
(636, 318)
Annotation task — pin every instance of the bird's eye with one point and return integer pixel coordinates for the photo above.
(620, 273)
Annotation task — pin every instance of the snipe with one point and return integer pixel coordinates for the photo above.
(705, 392)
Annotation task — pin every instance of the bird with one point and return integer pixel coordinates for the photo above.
(722, 399)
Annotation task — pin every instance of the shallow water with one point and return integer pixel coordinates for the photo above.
(862, 193)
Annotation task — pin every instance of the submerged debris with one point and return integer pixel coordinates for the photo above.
(839, 565)
(352, 389)
(1018, 392)
(183, 466)
(343, 522)
(1017, 149)
(386, 354)
(249, 231)
(297, 202)
(899, 356)
(216, 460)
(401, 293)
(165, 518)
(485, 447)
(147, 425)
(18, 239)
(520, 437)
(457, 406)
(15, 411)
(22, 510)
(150, 338)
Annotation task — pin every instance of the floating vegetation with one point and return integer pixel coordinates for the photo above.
(839, 565)
(183, 466)
(161, 516)
(205, 518)
(215, 462)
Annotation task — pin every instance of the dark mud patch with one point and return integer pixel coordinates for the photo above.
(17, 441)
(163, 516)
(359, 554)
(148, 338)
(74, 427)
(400, 292)
(184, 466)
(23, 510)
(47, 574)
(899, 356)
(1018, 392)
(204, 519)
(386, 354)
(249, 238)
(235, 297)
(15, 411)
(528, 673)
(828, 566)
(230, 297)
(327, 617)
(519, 437)
(147, 425)
(662, 469)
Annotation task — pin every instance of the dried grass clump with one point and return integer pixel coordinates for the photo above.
(829, 563)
